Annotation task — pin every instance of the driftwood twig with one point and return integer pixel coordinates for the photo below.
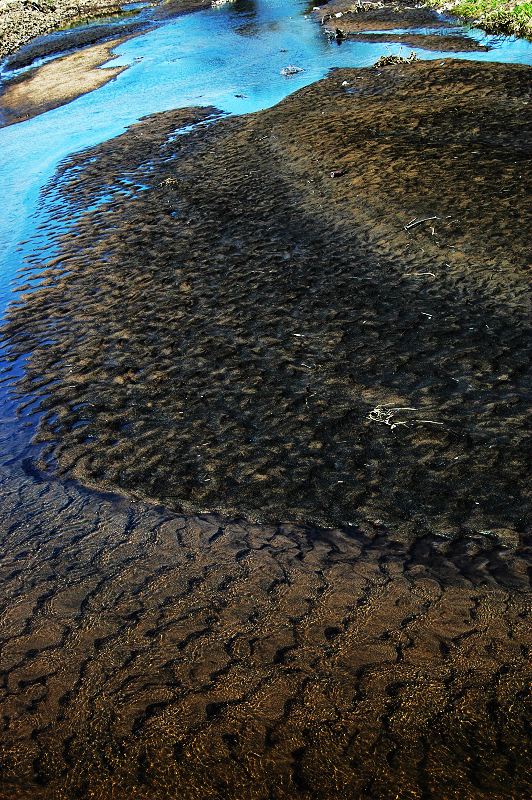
(415, 221)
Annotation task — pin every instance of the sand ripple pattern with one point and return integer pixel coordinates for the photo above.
(150, 655)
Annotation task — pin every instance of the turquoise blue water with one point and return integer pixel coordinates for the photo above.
(206, 58)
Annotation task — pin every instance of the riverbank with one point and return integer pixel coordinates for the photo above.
(495, 16)
(21, 21)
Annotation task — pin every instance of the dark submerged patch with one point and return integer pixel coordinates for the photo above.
(249, 335)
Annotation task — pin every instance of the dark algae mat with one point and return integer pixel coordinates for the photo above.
(277, 531)
(147, 655)
(315, 313)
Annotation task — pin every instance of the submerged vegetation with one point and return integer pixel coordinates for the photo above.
(92, 19)
(395, 58)
(493, 15)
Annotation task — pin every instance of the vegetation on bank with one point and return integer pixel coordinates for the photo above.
(498, 16)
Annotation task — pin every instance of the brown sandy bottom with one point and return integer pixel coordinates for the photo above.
(236, 337)
(435, 42)
(56, 83)
(173, 8)
(154, 656)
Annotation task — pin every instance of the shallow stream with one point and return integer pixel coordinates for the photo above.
(228, 57)
(156, 653)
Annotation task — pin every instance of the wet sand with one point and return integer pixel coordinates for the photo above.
(58, 82)
(442, 43)
(150, 655)
(248, 334)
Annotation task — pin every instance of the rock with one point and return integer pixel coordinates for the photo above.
(291, 69)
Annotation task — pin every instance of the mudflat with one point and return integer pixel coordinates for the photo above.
(311, 320)
(147, 654)
(57, 82)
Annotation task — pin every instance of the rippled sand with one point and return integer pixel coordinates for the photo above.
(235, 327)
(151, 655)
(236, 337)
